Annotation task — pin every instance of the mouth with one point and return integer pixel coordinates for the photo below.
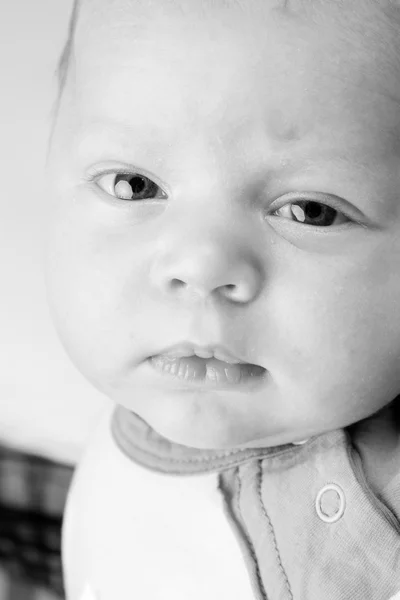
(188, 349)
(210, 373)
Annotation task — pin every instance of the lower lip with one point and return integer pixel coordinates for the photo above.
(208, 373)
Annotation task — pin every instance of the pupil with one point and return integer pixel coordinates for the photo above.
(137, 184)
(313, 210)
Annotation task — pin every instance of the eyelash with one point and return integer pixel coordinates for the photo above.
(95, 174)
(303, 200)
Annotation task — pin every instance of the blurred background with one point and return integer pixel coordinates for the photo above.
(47, 409)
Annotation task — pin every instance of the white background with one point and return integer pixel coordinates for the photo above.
(46, 406)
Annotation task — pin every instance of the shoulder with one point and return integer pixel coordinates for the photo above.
(124, 523)
(103, 516)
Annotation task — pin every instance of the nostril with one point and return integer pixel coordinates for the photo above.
(177, 284)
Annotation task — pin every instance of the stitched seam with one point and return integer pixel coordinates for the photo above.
(127, 442)
(129, 450)
(259, 484)
(250, 543)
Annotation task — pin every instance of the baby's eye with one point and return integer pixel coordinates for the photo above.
(132, 186)
(311, 212)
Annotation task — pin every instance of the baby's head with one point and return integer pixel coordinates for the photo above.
(229, 173)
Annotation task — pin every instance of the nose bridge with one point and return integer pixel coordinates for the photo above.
(207, 250)
(205, 223)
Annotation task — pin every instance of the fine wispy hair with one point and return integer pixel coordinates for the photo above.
(389, 10)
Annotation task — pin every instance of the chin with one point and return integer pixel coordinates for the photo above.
(193, 439)
(203, 438)
(204, 425)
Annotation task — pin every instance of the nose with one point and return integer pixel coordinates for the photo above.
(209, 266)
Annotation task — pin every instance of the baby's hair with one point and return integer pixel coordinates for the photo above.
(64, 60)
(61, 72)
(390, 10)
(390, 7)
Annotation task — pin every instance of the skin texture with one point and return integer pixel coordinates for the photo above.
(229, 107)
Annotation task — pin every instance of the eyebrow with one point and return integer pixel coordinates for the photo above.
(120, 134)
(123, 131)
(103, 135)
(108, 128)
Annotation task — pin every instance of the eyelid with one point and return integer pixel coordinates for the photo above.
(96, 171)
(339, 204)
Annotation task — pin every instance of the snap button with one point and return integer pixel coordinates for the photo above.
(330, 503)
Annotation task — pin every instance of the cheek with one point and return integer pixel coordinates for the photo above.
(336, 325)
(81, 294)
(95, 292)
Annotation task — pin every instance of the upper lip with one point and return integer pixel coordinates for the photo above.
(188, 349)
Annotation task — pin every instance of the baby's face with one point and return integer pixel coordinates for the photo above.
(266, 219)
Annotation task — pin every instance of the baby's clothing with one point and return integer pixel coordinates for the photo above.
(307, 522)
(391, 496)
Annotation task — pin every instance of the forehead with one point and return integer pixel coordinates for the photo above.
(160, 63)
(370, 19)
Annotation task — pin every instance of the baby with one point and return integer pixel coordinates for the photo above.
(223, 262)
